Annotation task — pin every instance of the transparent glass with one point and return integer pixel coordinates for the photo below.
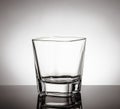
(59, 64)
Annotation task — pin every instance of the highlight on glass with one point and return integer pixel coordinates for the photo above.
(59, 64)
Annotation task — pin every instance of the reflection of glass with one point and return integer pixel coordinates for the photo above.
(55, 102)
(59, 64)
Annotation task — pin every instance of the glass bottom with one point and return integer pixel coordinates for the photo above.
(60, 85)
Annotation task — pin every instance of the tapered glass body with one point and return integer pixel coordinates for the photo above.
(59, 64)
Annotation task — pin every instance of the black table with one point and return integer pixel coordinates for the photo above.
(91, 97)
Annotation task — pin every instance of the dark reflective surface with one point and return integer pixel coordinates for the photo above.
(92, 97)
(48, 102)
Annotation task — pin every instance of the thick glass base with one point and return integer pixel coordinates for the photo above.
(60, 86)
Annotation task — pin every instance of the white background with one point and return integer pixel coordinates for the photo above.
(98, 21)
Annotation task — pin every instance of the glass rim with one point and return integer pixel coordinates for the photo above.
(60, 39)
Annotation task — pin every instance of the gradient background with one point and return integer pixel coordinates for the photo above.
(98, 21)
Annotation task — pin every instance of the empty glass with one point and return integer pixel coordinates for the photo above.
(59, 64)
